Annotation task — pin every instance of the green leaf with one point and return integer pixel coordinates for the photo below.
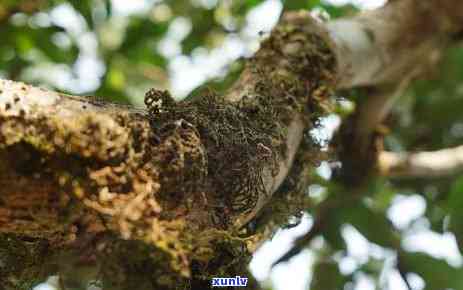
(297, 5)
(455, 208)
(334, 11)
(373, 225)
(437, 274)
(204, 26)
(326, 276)
(143, 49)
(242, 7)
(84, 7)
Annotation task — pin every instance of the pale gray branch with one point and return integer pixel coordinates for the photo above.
(422, 164)
(383, 45)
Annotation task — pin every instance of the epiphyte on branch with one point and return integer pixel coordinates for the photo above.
(158, 101)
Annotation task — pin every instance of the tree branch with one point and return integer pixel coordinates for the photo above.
(422, 164)
(372, 51)
(383, 45)
(175, 177)
(172, 177)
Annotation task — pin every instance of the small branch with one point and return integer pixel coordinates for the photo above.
(364, 45)
(403, 271)
(320, 220)
(358, 141)
(422, 164)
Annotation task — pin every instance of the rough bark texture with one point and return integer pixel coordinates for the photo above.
(168, 197)
(176, 183)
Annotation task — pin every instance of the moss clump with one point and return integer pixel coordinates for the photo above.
(292, 74)
(22, 262)
(240, 138)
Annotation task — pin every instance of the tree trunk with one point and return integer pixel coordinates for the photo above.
(168, 197)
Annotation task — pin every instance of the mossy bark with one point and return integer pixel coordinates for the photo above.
(168, 197)
(157, 198)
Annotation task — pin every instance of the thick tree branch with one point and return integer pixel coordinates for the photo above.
(171, 178)
(422, 164)
(175, 177)
(391, 46)
(383, 45)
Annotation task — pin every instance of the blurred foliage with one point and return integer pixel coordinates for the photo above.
(134, 48)
(94, 47)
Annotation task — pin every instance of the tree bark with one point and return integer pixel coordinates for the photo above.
(174, 187)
